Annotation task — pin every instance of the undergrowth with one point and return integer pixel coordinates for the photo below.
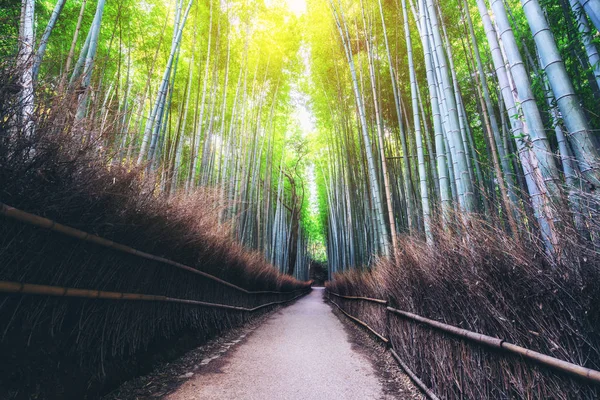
(73, 348)
(494, 283)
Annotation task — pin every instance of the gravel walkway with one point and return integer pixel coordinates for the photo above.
(301, 352)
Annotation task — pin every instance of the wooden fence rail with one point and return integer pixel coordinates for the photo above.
(530, 355)
(59, 291)
(364, 324)
(390, 346)
(379, 301)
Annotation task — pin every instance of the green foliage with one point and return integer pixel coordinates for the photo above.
(277, 63)
(10, 12)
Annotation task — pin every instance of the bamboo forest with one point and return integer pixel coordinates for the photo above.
(399, 197)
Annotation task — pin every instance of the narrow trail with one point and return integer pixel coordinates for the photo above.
(301, 352)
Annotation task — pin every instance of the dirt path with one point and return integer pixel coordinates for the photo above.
(301, 352)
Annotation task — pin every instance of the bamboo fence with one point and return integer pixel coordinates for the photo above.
(489, 341)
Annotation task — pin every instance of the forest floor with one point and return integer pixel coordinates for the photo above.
(299, 352)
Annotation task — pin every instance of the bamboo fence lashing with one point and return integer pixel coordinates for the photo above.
(36, 220)
(527, 354)
(59, 291)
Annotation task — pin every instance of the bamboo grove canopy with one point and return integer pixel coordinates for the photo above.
(329, 128)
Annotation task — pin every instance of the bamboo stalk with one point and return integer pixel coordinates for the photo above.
(59, 291)
(35, 220)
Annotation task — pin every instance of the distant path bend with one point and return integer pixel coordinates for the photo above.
(301, 353)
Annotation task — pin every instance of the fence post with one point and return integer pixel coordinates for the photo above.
(387, 324)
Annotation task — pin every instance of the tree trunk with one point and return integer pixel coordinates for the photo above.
(406, 164)
(89, 61)
(155, 118)
(592, 8)
(442, 161)
(574, 118)
(537, 185)
(25, 62)
(379, 124)
(39, 55)
(72, 49)
(374, 182)
(463, 183)
(417, 124)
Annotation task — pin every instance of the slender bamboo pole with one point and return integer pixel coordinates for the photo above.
(25, 63)
(579, 130)
(379, 222)
(379, 123)
(39, 55)
(406, 164)
(417, 124)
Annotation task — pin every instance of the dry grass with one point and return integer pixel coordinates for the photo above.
(489, 282)
(63, 348)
